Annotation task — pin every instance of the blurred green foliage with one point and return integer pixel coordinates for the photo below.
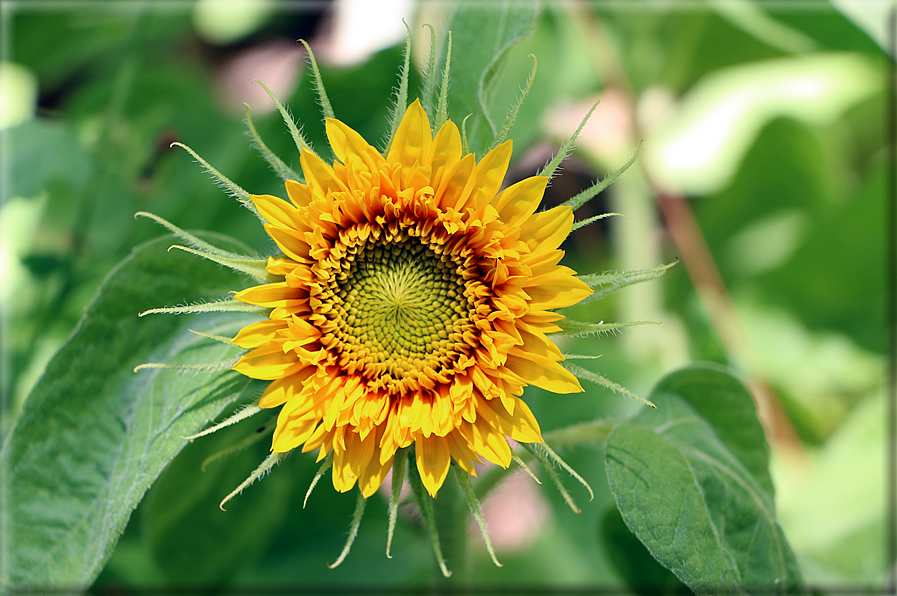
(797, 235)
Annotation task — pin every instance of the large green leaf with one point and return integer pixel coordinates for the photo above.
(482, 35)
(727, 405)
(691, 482)
(93, 434)
(643, 574)
(193, 542)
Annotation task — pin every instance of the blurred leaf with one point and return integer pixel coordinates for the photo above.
(93, 435)
(700, 146)
(226, 23)
(834, 280)
(835, 509)
(675, 48)
(870, 17)
(564, 70)
(45, 151)
(819, 376)
(482, 35)
(18, 94)
(691, 482)
(831, 278)
(87, 42)
(751, 18)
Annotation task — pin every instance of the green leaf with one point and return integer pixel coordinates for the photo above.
(699, 149)
(193, 543)
(691, 482)
(642, 573)
(44, 151)
(482, 35)
(724, 402)
(93, 435)
(870, 17)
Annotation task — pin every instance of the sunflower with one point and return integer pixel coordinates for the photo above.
(409, 304)
(411, 307)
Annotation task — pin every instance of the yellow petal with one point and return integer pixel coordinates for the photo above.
(291, 245)
(279, 391)
(489, 443)
(542, 372)
(291, 433)
(347, 143)
(540, 320)
(462, 454)
(343, 478)
(322, 438)
(537, 343)
(280, 266)
(548, 229)
(542, 262)
(252, 336)
(320, 176)
(433, 458)
(524, 427)
(411, 143)
(556, 290)
(268, 363)
(491, 170)
(372, 474)
(361, 450)
(519, 201)
(277, 211)
(273, 294)
(300, 194)
(446, 151)
(455, 188)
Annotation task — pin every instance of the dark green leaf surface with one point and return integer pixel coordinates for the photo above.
(32, 172)
(482, 35)
(691, 483)
(194, 543)
(93, 435)
(727, 405)
(642, 573)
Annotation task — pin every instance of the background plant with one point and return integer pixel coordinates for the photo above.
(789, 208)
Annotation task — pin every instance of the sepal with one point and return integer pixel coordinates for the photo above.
(609, 282)
(224, 182)
(260, 472)
(353, 530)
(587, 375)
(588, 194)
(283, 171)
(549, 459)
(425, 504)
(573, 328)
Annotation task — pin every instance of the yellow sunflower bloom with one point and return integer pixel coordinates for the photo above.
(413, 305)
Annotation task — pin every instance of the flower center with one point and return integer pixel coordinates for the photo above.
(401, 309)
